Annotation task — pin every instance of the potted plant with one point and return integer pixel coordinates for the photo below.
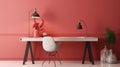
(110, 38)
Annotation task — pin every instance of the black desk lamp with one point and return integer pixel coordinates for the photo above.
(34, 16)
(80, 26)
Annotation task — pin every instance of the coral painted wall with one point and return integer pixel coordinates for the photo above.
(61, 18)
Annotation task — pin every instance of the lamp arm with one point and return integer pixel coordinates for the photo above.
(29, 21)
(86, 27)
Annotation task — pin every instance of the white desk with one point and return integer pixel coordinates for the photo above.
(71, 39)
(61, 38)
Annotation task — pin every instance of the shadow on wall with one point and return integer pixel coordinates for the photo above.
(50, 15)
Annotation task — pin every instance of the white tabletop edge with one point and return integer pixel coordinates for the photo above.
(61, 38)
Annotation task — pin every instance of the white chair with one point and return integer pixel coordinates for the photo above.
(51, 48)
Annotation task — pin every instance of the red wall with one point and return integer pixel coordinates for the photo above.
(61, 18)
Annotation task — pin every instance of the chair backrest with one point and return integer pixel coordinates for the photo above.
(49, 44)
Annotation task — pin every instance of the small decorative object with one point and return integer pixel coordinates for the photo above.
(104, 54)
(110, 38)
(35, 33)
(44, 34)
(37, 28)
(111, 58)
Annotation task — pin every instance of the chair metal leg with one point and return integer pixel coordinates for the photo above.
(44, 60)
(54, 64)
(58, 58)
(53, 55)
(49, 58)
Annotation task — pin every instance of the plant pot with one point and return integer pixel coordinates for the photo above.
(111, 58)
(104, 54)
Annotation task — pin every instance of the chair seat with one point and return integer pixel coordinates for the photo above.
(50, 47)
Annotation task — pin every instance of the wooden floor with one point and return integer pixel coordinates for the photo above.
(46, 64)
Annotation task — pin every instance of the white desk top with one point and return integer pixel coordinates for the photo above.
(61, 38)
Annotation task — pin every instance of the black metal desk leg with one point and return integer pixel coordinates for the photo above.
(88, 46)
(84, 54)
(26, 53)
(31, 54)
(28, 46)
(90, 53)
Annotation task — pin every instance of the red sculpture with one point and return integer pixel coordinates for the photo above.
(37, 28)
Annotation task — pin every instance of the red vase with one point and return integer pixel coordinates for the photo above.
(35, 33)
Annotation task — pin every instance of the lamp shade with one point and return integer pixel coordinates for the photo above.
(35, 14)
(79, 26)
